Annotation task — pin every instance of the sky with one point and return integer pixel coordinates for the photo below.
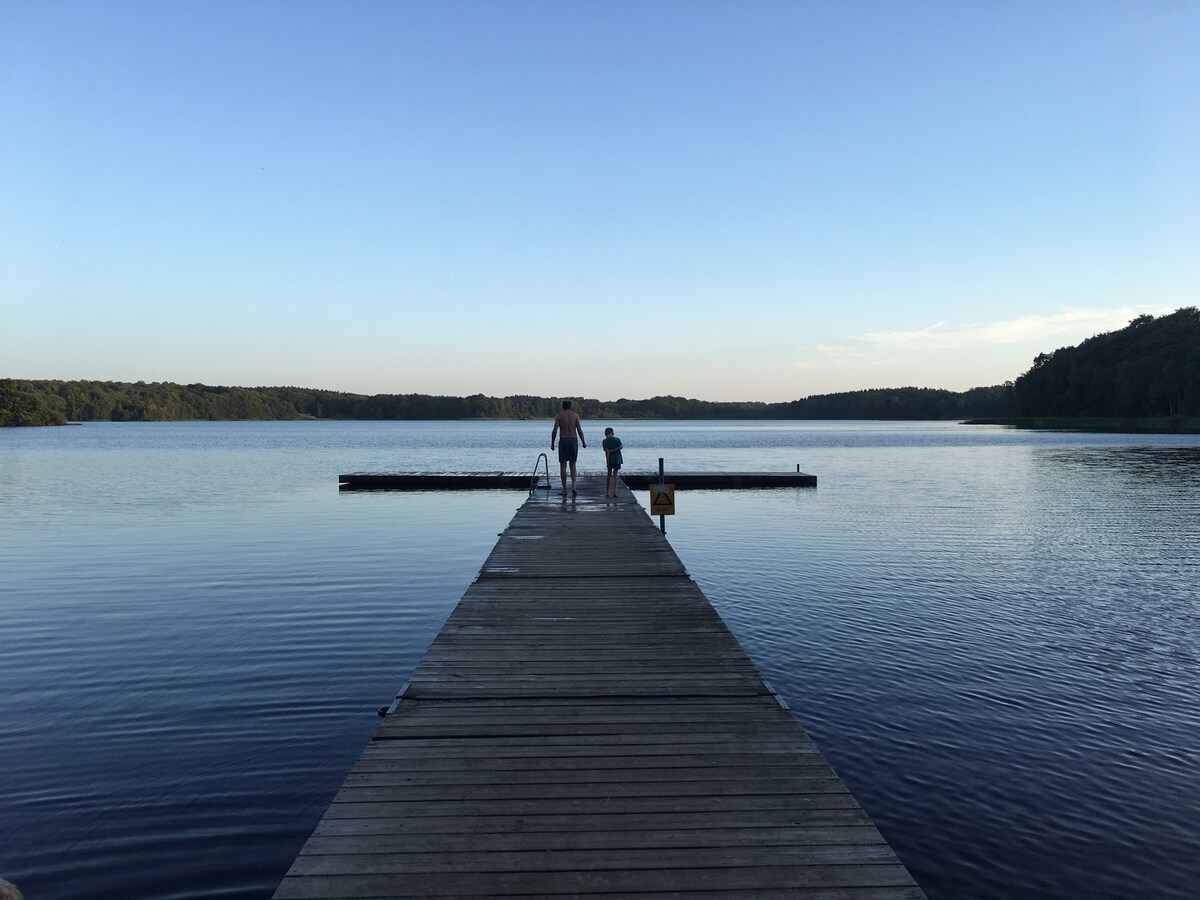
(720, 200)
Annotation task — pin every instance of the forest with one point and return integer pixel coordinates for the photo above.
(1149, 370)
(57, 402)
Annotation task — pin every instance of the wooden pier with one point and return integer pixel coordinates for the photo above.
(472, 481)
(585, 725)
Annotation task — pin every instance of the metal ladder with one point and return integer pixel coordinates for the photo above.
(542, 459)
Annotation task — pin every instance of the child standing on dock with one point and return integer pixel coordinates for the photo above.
(612, 459)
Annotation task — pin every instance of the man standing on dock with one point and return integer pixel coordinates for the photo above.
(567, 421)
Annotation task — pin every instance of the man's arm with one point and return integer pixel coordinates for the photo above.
(579, 428)
(553, 432)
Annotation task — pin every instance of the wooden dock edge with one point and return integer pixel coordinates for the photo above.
(472, 481)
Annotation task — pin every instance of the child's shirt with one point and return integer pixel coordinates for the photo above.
(614, 444)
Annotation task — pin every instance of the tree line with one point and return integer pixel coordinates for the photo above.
(56, 402)
(1148, 369)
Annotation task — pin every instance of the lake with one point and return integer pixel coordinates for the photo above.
(993, 635)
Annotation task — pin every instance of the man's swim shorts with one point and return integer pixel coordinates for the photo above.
(568, 449)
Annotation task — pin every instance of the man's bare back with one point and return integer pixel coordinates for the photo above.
(567, 422)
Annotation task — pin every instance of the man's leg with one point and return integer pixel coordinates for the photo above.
(572, 477)
(562, 474)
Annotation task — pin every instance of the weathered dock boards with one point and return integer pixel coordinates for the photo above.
(434, 481)
(721, 480)
(586, 725)
(466, 481)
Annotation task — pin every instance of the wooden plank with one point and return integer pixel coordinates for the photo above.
(631, 779)
(470, 828)
(744, 880)
(626, 839)
(715, 481)
(589, 806)
(793, 893)
(595, 860)
(382, 788)
(586, 725)
(434, 481)
(384, 755)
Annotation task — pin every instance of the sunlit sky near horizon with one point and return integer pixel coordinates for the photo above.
(721, 200)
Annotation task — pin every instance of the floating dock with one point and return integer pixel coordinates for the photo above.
(470, 481)
(585, 725)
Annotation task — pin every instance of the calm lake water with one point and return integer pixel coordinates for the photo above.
(994, 636)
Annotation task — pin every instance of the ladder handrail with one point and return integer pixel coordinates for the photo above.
(542, 458)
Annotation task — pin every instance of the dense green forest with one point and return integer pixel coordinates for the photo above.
(899, 403)
(21, 406)
(50, 402)
(1150, 368)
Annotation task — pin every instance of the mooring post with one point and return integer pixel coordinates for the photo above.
(662, 520)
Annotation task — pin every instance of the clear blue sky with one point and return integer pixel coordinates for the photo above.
(723, 200)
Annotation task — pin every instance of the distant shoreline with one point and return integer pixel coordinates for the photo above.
(1094, 424)
(57, 402)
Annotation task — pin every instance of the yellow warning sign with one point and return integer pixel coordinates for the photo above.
(662, 499)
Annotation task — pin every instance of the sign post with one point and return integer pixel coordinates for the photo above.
(662, 498)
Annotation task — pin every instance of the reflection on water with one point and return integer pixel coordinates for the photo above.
(1159, 463)
(991, 634)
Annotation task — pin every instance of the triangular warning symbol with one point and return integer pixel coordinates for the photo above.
(662, 498)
